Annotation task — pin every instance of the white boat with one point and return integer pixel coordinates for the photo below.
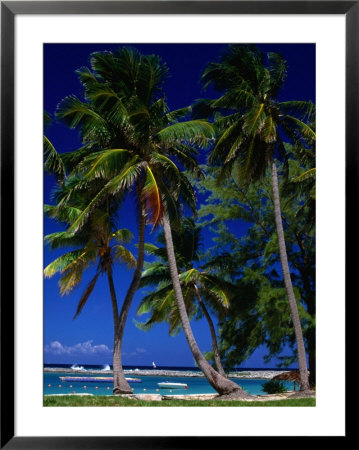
(169, 385)
(154, 365)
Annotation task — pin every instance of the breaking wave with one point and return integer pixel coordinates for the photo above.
(77, 367)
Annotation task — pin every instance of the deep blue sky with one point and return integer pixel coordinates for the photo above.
(88, 339)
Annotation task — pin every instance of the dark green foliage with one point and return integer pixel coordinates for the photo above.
(258, 314)
(160, 302)
(251, 133)
(273, 387)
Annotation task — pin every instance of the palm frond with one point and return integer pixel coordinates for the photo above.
(188, 194)
(174, 116)
(305, 130)
(214, 291)
(151, 76)
(166, 167)
(104, 164)
(62, 239)
(64, 213)
(190, 276)
(52, 160)
(150, 249)
(225, 142)
(120, 182)
(186, 156)
(278, 73)
(123, 236)
(86, 294)
(47, 120)
(63, 262)
(305, 175)
(236, 98)
(254, 119)
(152, 199)
(198, 132)
(87, 78)
(74, 112)
(269, 130)
(155, 274)
(124, 256)
(303, 110)
(109, 105)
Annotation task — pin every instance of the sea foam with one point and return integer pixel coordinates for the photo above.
(77, 367)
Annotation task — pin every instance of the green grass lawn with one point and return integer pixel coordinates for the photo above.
(73, 400)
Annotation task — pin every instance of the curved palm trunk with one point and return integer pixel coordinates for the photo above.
(217, 358)
(116, 356)
(311, 342)
(302, 362)
(221, 384)
(120, 384)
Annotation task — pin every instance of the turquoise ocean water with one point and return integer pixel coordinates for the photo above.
(196, 385)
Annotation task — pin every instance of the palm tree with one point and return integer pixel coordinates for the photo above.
(124, 107)
(98, 243)
(116, 123)
(251, 136)
(197, 286)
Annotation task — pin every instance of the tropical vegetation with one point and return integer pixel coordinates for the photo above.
(202, 291)
(259, 169)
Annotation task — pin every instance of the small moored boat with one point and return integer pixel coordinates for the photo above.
(169, 385)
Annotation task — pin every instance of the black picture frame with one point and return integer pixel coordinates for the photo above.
(9, 9)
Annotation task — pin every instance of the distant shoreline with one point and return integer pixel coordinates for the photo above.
(250, 374)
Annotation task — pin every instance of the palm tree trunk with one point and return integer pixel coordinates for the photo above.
(311, 358)
(122, 387)
(217, 358)
(302, 362)
(221, 384)
(119, 384)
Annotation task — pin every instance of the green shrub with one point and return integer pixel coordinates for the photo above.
(273, 387)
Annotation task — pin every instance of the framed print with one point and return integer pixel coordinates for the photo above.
(165, 126)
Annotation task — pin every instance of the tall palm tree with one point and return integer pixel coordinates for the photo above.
(99, 243)
(198, 287)
(117, 121)
(252, 134)
(124, 104)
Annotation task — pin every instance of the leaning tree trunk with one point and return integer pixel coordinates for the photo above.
(302, 362)
(121, 386)
(221, 384)
(116, 356)
(311, 358)
(217, 358)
